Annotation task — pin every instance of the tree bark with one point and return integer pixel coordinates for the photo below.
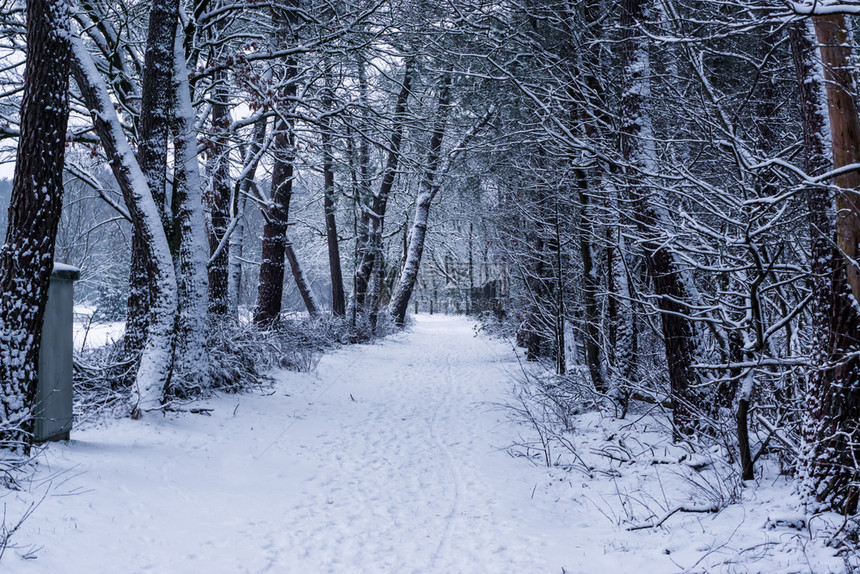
(637, 150)
(586, 228)
(625, 327)
(832, 423)
(429, 187)
(591, 327)
(190, 240)
(375, 217)
(832, 33)
(27, 256)
(250, 160)
(338, 297)
(270, 288)
(154, 131)
(157, 103)
(251, 154)
(362, 198)
(156, 362)
(302, 283)
(218, 196)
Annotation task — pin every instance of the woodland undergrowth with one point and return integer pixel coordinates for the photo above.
(643, 481)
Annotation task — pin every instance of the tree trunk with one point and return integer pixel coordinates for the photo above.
(625, 328)
(362, 199)
(237, 248)
(590, 288)
(154, 126)
(156, 103)
(586, 228)
(338, 301)
(138, 304)
(557, 245)
(637, 150)
(832, 424)
(376, 214)
(832, 33)
(27, 256)
(429, 187)
(218, 197)
(532, 332)
(156, 362)
(302, 283)
(744, 438)
(190, 239)
(250, 161)
(270, 288)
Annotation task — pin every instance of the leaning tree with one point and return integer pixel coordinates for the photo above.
(27, 256)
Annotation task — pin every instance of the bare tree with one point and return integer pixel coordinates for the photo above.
(156, 361)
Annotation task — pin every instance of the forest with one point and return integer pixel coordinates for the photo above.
(655, 201)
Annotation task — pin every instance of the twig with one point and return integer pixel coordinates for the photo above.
(703, 510)
(195, 410)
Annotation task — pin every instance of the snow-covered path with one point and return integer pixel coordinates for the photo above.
(390, 460)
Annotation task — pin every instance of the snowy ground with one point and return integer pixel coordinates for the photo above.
(89, 334)
(392, 459)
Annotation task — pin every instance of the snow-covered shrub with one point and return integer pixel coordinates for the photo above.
(496, 324)
(238, 353)
(298, 343)
(367, 329)
(549, 404)
(102, 378)
(230, 352)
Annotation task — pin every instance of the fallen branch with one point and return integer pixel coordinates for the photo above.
(703, 510)
(174, 409)
(651, 400)
(778, 435)
(195, 411)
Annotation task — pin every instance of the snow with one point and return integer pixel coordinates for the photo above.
(89, 334)
(95, 335)
(392, 458)
(64, 268)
